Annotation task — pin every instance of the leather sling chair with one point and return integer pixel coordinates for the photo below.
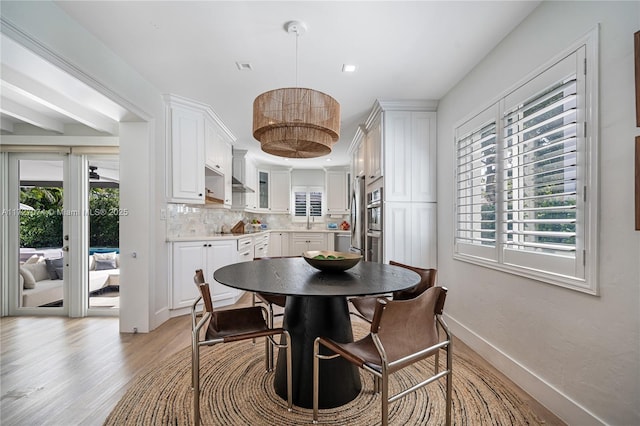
(232, 325)
(403, 332)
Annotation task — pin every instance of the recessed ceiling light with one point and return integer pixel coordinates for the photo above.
(348, 68)
(328, 159)
(244, 66)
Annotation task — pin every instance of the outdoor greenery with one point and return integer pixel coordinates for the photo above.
(105, 220)
(42, 227)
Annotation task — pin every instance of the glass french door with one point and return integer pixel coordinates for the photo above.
(103, 237)
(61, 203)
(39, 233)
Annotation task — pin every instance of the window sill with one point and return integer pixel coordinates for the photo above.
(533, 274)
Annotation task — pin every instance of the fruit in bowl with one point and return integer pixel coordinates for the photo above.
(331, 261)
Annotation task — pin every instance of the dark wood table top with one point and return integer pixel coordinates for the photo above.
(295, 277)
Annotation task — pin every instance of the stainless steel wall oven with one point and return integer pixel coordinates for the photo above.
(374, 226)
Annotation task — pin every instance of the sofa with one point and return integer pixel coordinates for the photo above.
(41, 277)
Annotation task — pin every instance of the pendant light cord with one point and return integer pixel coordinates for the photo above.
(297, 35)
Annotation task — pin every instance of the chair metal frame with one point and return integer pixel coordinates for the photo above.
(268, 334)
(381, 377)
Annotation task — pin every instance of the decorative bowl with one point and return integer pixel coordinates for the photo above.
(331, 261)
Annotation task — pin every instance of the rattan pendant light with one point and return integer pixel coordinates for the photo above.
(295, 122)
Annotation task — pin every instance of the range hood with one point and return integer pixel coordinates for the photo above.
(237, 186)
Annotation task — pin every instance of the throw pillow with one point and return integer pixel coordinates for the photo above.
(102, 265)
(104, 256)
(29, 280)
(59, 271)
(53, 265)
(38, 270)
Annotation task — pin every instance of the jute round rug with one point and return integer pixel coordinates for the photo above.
(235, 390)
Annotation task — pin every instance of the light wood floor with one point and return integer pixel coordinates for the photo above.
(72, 371)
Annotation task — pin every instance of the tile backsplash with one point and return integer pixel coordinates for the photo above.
(185, 220)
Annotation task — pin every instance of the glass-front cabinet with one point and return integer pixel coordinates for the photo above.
(263, 189)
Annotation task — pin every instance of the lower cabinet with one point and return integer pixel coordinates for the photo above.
(278, 244)
(410, 234)
(205, 255)
(305, 241)
(261, 246)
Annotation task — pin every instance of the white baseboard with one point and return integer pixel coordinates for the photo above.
(554, 400)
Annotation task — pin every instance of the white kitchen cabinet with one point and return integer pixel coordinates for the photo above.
(305, 241)
(219, 162)
(245, 249)
(373, 152)
(278, 244)
(410, 158)
(250, 180)
(358, 154)
(336, 187)
(405, 132)
(205, 255)
(228, 177)
(185, 154)
(186, 258)
(214, 147)
(274, 191)
(410, 234)
(261, 246)
(280, 191)
(263, 200)
(199, 153)
(244, 171)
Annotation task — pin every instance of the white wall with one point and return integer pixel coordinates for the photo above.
(578, 354)
(48, 26)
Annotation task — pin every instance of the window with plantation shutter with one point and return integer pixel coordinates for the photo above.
(307, 200)
(525, 168)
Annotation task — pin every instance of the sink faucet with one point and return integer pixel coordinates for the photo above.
(308, 223)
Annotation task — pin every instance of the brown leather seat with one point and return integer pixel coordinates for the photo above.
(402, 332)
(365, 306)
(231, 325)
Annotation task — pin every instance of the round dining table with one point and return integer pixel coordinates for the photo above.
(316, 306)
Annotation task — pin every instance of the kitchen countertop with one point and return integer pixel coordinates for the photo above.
(220, 237)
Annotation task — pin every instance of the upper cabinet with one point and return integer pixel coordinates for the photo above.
(373, 152)
(216, 147)
(273, 194)
(410, 159)
(199, 154)
(358, 154)
(244, 185)
(185, 136)
(400, 146)
(280, 191)
(337, 190)
(264, 183)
